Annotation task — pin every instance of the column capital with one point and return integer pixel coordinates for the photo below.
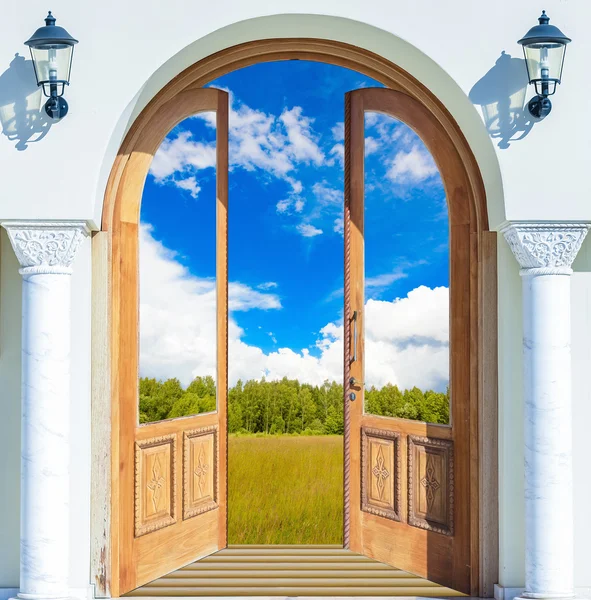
(545, 248)
(45, 246)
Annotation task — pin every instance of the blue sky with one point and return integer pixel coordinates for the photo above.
(285, 238)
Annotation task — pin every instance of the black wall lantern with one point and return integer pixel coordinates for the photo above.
(544, 47)
(52, 48)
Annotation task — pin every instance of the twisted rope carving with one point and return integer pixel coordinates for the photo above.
(219, 143)
(347, 329)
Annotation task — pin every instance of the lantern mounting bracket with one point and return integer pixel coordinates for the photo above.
(56, 107)
(539, 107)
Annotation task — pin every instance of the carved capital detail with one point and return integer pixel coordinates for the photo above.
(550, 247)
(46, 247)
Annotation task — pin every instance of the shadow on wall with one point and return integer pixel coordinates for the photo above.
(21, 104)
(501, 96)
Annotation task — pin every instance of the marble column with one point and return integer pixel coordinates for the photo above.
(545, 252)
(45, 252)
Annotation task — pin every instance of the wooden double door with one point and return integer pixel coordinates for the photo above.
(409, 486)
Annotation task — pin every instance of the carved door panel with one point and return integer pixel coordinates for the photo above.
(410, 486)
(170, 502)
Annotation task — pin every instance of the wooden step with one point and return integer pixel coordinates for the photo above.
(292, 581)
(207, 565)
(321, 571)
(426, 592)
(378, 572)
(312, 558)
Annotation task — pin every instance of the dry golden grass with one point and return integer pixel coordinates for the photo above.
(285, 490)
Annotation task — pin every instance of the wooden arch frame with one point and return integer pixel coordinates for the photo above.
(121, 210)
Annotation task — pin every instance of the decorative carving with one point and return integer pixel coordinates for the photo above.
(45, 247)
(155, 484)
(545, 245)
(431, 484)
(380, 473)
(200, 471)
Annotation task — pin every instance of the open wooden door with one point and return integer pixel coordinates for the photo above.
(411, 488)
(169, 480)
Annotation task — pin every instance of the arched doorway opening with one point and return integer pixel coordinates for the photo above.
(475, 243)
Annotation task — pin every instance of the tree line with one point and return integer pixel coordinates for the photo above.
(285, 406)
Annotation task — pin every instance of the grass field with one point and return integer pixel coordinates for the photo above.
(285, 490)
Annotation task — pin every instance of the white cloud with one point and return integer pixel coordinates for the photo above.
(371, 146)
(274, 144)
(384, 280)
(327, 195)
(290, 205)
(268, 285)
(241, 297)
(338, 132)
(413, 166)
(177, 155)
(406, 339)
(308, 230)
(372, 118)
(339, 225)
(303, 144)
(337, 153)
(178, 314)
(283, 205)
(190, 184)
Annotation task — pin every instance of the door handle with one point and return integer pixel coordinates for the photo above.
(354, 358)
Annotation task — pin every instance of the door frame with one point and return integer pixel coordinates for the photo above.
(121, 200)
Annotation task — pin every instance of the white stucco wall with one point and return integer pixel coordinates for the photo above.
(511, 453)
(129, 50)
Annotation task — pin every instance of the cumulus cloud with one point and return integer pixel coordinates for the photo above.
(275, 144)
(308, 230)
(327, 195)
(412, 166)
(178, 314)
(337, 154)
(283, 205)
(180, 156)
(303, 142)
(371, 146)
(406, 338)
(338, 131)
(180, 153)
(271, 143)
(267, 285)
(290, 205)
(190, 184)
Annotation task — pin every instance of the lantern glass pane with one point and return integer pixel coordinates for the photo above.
(52, 63)
(544, 61)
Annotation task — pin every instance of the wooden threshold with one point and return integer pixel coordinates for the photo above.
(290, 571)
